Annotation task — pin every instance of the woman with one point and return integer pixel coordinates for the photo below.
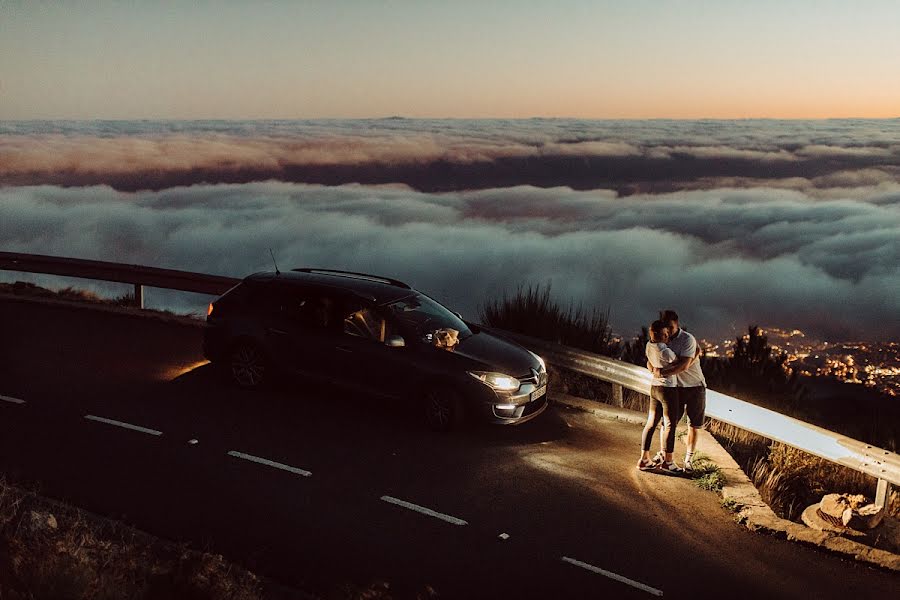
(663, 404)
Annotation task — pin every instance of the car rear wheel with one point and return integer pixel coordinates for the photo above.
(249, 366)
(443, 409)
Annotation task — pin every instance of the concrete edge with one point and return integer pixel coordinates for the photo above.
(746, 503)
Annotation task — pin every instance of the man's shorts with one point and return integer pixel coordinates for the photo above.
(693, 399)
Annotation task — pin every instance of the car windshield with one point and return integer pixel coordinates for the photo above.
(422, 316)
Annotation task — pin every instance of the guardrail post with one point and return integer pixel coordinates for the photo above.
(883, 494)
(139, 295)
(618, 398)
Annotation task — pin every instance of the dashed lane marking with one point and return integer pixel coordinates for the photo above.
(122, 424)
(269, 463)
(613, 576)
(423, 510)
(12, 400)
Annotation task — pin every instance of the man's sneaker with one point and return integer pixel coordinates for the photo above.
(670, 467)
(688, 464)
(659, 458)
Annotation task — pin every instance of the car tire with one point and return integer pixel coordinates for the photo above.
(248, 366)
(443, 409)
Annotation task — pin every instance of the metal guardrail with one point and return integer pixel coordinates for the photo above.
(865, 458)
(879, 463)
(137, 275)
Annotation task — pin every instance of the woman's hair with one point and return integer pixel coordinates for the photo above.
(656, 329)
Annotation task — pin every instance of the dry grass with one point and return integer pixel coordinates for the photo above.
(49, 550)
(531, 311)
(788, 479)
(70, 294)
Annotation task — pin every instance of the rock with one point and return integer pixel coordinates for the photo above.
(41, 522)
(865, 517)
(856, 501)
(852, 511)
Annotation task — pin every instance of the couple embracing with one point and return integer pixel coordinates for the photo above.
(678, 387)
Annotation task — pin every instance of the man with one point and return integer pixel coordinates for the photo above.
(689, 380)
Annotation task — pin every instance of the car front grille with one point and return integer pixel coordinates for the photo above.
(534, 406)
(538, 380)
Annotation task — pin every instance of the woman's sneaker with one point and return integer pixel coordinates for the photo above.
(646, 464)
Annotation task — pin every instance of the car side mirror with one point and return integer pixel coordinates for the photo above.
(394, 341)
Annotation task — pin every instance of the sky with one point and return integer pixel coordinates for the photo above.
(462, 59)
(634, 155)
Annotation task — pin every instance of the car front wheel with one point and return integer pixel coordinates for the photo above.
(443, 409)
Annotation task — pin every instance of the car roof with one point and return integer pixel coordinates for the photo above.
(372, 287)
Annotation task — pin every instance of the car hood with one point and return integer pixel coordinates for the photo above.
(497, 354)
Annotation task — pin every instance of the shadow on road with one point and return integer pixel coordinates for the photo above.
(205, 392)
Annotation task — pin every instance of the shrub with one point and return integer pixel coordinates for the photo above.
(532, 311)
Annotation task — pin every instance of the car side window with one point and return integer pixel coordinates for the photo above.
(316, 311)
(366, 322)
(266, 299)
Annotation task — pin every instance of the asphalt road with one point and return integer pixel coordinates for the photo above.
(359, 491)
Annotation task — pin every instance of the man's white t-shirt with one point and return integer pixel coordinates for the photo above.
(684, 344)
(659, 355)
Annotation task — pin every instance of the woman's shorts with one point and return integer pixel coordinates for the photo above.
(667, 396)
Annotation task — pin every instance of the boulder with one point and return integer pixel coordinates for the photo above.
(854, 511)
(39, 522)
(866, 517)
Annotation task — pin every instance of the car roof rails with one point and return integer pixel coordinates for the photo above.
(354, 275)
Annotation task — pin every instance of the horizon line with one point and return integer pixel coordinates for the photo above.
(437, 118)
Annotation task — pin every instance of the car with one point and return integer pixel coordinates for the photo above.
(375, 336)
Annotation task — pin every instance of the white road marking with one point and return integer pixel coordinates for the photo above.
(269, 463)
(123, 425)
(11, 399)
(423, 510)
(611, 575)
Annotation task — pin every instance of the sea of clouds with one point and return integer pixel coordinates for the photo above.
(791, 224)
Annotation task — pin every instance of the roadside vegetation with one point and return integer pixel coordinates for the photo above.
(788, 479)
(21, 288)
(51, 550)
(532, 311)
(69, 294)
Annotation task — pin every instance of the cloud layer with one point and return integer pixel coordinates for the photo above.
(724, 257)
(453, 155)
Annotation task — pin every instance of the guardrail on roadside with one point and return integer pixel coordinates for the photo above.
(865, 458)
(137, 275)
(879, 463)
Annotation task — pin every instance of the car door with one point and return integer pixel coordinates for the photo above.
(361, 358)
(299, 327)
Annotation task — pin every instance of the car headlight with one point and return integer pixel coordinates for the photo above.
(497, 381)
(540, 360)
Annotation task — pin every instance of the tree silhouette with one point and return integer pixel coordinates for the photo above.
(756, 372)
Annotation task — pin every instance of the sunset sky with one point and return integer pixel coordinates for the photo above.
(588, 59)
